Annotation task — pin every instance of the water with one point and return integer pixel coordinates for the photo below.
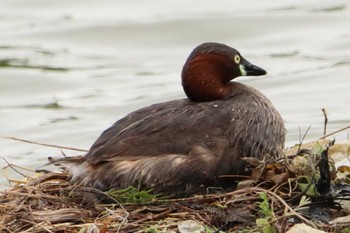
(69, 69)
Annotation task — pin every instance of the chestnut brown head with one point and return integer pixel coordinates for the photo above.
(209, 69)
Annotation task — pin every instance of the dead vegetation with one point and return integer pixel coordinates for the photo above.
(302, 187)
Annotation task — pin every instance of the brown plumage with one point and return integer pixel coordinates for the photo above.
(179, 147)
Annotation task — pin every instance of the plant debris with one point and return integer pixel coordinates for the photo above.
(306, 187)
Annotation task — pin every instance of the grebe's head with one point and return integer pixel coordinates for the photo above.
(210, 67)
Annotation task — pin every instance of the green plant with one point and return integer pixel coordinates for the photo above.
(156, 229)
(133, 195)
(265, 225)
(208, 229)
(264, 206)
(268, 215)
(304, 201)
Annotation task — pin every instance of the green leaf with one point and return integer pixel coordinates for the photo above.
(304, 183)
(261, 222)
(265, 225)
(317, 149)
(345, 230)
(264, 206)
(132, 195)
(304, 201)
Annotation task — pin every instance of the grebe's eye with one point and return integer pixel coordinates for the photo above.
(237, 59)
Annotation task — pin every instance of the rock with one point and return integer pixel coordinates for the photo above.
(303, 228)
(190, 226)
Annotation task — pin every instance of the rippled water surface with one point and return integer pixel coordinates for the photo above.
(69, 69)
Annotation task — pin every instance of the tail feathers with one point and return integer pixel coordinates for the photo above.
(81, 173)
(70, 159)
(66, 163)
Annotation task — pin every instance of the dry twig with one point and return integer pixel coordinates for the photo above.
(44, 144)
(334, 132)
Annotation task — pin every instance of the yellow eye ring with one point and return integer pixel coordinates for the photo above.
(237, 59)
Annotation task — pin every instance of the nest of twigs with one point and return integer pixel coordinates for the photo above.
(273, 199)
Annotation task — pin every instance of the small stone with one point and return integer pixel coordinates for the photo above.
(190, 226)
(303, 228)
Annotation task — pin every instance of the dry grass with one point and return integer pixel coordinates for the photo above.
(49, 203)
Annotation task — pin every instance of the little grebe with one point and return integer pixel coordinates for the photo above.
(182, 146)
